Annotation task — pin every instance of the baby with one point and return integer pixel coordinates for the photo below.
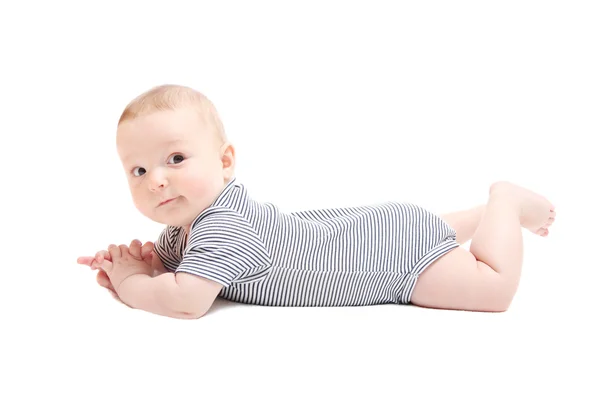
(218, 241)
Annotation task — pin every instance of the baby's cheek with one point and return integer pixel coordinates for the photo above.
(139, 201)
(204, 190)
(198, 187)
(139, 206)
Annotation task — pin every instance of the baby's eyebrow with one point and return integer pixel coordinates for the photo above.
(175, 142)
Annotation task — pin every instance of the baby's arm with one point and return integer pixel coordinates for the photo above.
(178, 295)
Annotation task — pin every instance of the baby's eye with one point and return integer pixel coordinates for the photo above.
(138, 171)
(177, 158)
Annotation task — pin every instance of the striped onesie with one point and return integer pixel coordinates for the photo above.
(364, 255)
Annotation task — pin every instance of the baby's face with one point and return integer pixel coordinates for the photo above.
(174, 165)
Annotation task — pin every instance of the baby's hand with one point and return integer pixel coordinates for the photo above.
(94, 262)
(135, 249)
(125, 262)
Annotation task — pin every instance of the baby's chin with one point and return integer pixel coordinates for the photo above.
(176, 216)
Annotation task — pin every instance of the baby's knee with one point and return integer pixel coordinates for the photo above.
(459, 281)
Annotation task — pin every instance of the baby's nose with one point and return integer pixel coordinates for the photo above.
(158, 181)
(157, 185)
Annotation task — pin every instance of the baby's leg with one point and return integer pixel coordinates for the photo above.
(464, 222)
(487, 277)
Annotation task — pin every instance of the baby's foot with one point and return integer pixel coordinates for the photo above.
(537, 213)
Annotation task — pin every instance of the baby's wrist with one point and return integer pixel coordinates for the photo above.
(126, 281)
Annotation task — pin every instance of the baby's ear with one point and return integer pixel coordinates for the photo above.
(228, 159)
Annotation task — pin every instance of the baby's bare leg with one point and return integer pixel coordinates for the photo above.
(487, 277)
(465, 222)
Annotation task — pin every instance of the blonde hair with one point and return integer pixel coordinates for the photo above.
(171, 97)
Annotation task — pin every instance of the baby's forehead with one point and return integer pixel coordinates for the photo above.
(168, 123)
(160, 130)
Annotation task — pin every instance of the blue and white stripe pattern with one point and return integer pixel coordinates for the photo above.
(329, 257)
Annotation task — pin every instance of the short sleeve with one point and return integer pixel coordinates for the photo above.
(224, 247)
(168, 247)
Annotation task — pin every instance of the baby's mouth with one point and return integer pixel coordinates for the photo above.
(167, 201)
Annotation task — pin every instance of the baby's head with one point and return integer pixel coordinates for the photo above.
(175, 153)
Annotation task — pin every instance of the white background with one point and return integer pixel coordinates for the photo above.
(328, 104)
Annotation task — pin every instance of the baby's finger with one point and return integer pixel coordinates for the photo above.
(99, 259)
(85, 260)
(135, 249)
(103, 255)
(124, 250)
(147, 249)
(114, 250)
(106, 266)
